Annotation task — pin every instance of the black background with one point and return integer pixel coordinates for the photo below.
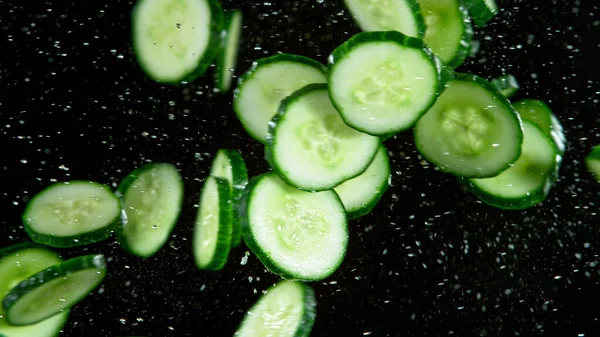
(429, 261)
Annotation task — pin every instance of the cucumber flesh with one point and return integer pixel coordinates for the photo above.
(17, 263)
(227, 57)
(287, 309)
(385, 15)
(71, 214)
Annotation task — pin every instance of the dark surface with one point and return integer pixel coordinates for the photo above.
(429, 261)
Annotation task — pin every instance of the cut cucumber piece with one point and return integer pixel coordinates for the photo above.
(482, 11)
(287, 309)
(269, 80)
(592, 161)
(53, 290)
(212, 230)
(311, 147)
(17, 263)
(529, 180)
(471, 131)
(295, 234)
(449, 31)
(176, 40)
(71, 214)
(229, 165)
(360, 195)
(227, 57)
(382, 82)
(151, 197)
(385, 15)
(507, 84)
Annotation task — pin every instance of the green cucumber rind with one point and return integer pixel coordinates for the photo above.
(240, 180)
(592, 157)
(271, 135)
(369, 37)
(464, 50)
(480, 12)
(256, 65)
(69, 241)
(257, 249)
(502, 100)
(416, 11)
(221, 56)
(120, 193)
(223, 246)
(534, 198)
(507, 84)
(210, 52)
(92, 261)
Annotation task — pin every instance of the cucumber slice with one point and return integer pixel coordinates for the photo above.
(17, 263)
(269, 80)
(592, 161)
(529, 180)
(384, 15)
(53, 290)
(360, 195)
(176, 40)
(449, 31)
(296, 234)
(540, 114)
(212, 230)
(229, 165)
(482, 11)
(382, 82)
(507, 84)
(227, 57)
(311, 147)
(71, 214)
(471, 131)
(151, 197)
(287, 309)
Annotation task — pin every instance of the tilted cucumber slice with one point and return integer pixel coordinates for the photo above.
(507, 84)
(482, 11)
(540, 113)
(592, 161)
(383, 82)
(287, 309)
(449, 31)
(311, 147)
(229, 165)
(152, 197)
(227, 57)
(262, 88)
(176, 40)
(17, 263)
(360, 194)
(471, 131)
(212, 230)
(529, 180)
(384, 15)
(53, 290)
(71, 214)
(295, 234)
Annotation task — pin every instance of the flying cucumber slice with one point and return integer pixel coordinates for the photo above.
(398, 15)
(227, 57)
(507, 84)
(592, 161)
(482, 11)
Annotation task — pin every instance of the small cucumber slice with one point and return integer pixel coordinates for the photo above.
(507, 84)
(17, 263)
(296, 234)
(176, 40)
(471, 131)
(311, 147)
(71, 214)
(262, 88)
(229, 165)
(152, 197)
(384, 15)
(227, 57)
(287, 309)
(592, 161)
(212, 229)
(482, 11)
(53, 290)
(383, 82)
(360, 194)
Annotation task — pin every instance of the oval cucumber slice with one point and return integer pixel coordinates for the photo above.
(296, 234)
(385, 15)
(72, 214)
(53, 290)
(17, 263)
